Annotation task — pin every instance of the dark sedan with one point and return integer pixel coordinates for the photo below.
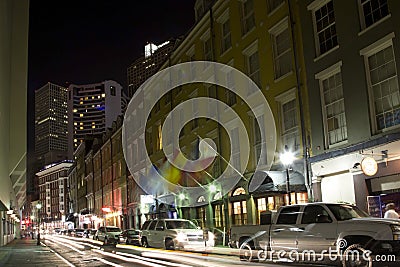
(131, 236)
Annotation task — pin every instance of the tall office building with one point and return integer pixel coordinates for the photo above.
(91, 110)
(145, 66)
(51, 120)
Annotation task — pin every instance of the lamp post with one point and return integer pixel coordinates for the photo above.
(38, 207)
(287, 158)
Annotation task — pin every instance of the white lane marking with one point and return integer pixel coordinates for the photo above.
(64, 259)
(69, 246)
(152, 260)
(141, 262)
(109, 262)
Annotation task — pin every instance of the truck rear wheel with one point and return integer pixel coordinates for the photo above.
(247, 252)
(356, 255)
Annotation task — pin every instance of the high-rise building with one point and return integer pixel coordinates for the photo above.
(91, 110)
(51, 120)
(53, 194)
(145, 66)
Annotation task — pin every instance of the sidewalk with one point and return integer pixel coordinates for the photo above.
(25, 252)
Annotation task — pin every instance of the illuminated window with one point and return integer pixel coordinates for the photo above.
(218, 215)
(239, 191)
(261, 206)
(159, 137)
(103, 95)
(81, 115)
(239, 213)
(75, 110)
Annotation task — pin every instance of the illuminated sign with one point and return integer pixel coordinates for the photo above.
(369, 166)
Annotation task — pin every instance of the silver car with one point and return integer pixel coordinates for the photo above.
(108, 234)
(174, 234)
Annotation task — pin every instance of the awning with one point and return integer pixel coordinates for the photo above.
(3, 207)
(274, 181)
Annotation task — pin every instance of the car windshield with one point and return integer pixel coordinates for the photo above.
(133, 232)
(346, 212)
(180, 225)
(113, 229)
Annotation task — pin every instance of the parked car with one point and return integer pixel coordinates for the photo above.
(77, 232)
(131, 236)
(174, 234)
(108, 234)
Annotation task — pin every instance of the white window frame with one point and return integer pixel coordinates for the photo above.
(366, 52)
(207, 50)
(248, 52)
(277, 29)
(321, 77)
(244, 17)
(282, 99)
(272, 9)
(313, 7)
(362, 16)
(222, 20)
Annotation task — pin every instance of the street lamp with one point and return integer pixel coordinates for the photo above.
(38, 207)
(287, 158)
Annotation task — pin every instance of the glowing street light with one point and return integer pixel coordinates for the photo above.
(212, 188)
(182, 196)
(287, 158)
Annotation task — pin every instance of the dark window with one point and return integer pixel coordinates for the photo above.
(152, 225)
(373, 11)
(288, 215)
(313, 214)
(145, 225)
(112, 90)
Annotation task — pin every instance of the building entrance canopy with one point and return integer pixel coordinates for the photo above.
(274, 181)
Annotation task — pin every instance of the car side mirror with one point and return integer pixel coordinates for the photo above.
(160, 228)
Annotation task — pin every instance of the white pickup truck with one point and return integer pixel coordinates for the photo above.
(320, 228)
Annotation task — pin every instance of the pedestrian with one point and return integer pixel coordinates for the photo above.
(390, 212)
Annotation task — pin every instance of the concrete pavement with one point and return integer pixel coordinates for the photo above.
(25, 252)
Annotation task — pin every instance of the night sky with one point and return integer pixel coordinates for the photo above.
(89, 41)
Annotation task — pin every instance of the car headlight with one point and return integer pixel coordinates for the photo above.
(181, 237)
(211, 236)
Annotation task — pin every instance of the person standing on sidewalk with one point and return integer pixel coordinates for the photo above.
(390, 212)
